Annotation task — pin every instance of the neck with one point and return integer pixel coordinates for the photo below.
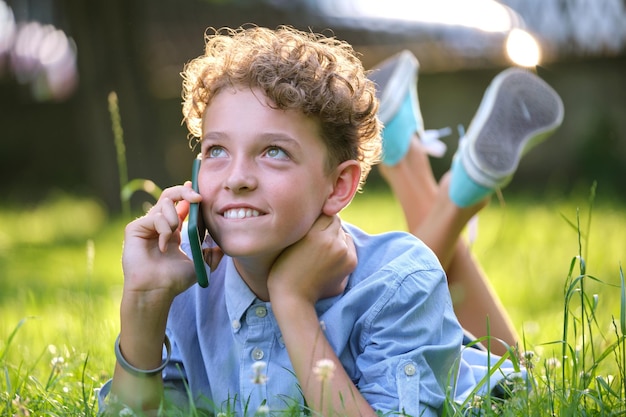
(254, 273)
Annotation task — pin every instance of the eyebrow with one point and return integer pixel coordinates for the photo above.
(267, 137)
(213, 136)
(279, 138)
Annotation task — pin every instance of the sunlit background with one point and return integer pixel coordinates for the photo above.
(59, 61)
(477, 16)
(39, 56)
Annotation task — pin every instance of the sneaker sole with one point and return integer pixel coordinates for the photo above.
(395, 74)
(518, 111)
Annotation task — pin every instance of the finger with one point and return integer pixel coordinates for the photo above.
(165, 222)
(323, 222)
(169, 211)
(163, 229)
(182, 209)
(350, 245)
(347, 238)
(181, 192)
(182, 196)
(334, 224)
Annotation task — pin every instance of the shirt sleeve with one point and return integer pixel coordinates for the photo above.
(409, 345)
(103, 393)
(174, 393)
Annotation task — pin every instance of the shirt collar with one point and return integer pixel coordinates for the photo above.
(238, 295)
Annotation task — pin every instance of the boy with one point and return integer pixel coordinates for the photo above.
(301, 308)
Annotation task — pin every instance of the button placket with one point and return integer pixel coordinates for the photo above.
(257, 354)
(260, 311)
(409, 369)
(257, 347)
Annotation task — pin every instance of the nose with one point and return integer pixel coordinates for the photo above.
(242, 175)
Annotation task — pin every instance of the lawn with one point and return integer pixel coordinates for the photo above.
(61, 283)
(525, 247)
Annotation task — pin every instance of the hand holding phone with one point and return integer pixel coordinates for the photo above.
(197, 230)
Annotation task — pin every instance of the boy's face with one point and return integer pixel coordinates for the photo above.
(263, 177)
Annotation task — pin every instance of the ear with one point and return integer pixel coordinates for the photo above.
(346, 183)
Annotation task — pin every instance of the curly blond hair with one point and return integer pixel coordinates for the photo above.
(317, 75)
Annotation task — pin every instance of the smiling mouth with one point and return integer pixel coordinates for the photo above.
(240, 213)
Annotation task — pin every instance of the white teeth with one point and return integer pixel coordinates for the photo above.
(240, 213)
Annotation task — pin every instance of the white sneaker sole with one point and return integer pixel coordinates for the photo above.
(518, 111)
(402, 78)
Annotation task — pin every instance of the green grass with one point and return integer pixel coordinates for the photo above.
(61, 282)
(525, 248)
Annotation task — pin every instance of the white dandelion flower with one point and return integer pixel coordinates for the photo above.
(258, 375)
(324, 369)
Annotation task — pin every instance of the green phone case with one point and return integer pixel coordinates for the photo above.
(195, 239)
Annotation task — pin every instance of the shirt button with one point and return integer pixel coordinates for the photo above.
(409, 369)
(261, 312)
(257, 354)
(236, 324)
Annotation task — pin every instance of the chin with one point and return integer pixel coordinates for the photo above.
(245, 249)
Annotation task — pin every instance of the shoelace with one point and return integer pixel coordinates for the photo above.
(437, 148)
(432, 141)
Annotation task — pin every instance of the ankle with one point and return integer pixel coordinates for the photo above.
(463, 210)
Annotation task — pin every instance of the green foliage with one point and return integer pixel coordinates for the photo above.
(127, 188)
(59, 300)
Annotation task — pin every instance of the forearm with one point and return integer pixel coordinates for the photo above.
(306, 344)
(143, 320)
(155, 271)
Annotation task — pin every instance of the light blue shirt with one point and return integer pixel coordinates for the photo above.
(393, 329)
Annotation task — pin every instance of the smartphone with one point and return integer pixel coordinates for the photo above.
(197, 230)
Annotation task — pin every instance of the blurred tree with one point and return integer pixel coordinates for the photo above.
(137, 49)
(110, 58)
(600, 158)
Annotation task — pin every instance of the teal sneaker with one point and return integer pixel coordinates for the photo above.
(518, 111)
(399, 110)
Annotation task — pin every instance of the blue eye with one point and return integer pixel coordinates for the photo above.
(216, 152)
(276, 153)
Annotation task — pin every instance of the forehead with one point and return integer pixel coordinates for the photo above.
(248, 113)
(245, 108)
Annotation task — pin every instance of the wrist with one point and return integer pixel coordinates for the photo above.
(289, 305)
(285, 290)
(147, 302)
(143, 318)
(139, 348)
(137, 372)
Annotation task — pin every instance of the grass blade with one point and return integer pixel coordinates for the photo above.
(11, 336)
(622, 309)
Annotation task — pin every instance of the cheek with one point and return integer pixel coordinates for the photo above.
(303, 201)
(208, 185)
(207, 189)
